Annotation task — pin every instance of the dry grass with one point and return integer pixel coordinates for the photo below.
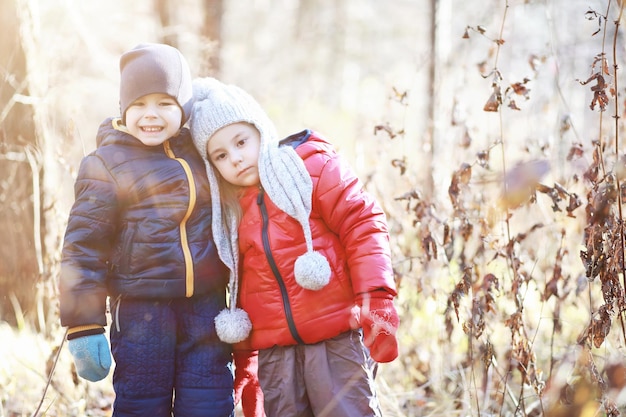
(27, 358)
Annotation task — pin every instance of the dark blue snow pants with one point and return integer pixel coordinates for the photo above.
(169, 360)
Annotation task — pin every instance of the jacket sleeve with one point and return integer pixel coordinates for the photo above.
(87, 244)
(359, 221)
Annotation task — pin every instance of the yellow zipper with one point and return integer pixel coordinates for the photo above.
(183, 224)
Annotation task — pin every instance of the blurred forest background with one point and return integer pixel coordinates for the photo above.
(490, 130)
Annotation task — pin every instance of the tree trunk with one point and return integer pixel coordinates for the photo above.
(17, 271)
(429, 137)
(36, 250)
(211, 32)
(164, 10)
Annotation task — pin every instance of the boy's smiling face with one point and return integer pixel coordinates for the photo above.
(154, 118)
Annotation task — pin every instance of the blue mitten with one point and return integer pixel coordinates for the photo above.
(92, 356)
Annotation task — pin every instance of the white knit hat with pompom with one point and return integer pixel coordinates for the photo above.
(283, 176)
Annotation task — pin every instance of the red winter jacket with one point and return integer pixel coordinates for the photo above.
(348, 227)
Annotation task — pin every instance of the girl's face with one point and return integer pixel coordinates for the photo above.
(154, 118)
(234, 151)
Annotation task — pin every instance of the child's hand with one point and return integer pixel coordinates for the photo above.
(379, 320)
(92, 356)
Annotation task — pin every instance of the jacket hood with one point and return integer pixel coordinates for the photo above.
(309, 143)
(108, 134)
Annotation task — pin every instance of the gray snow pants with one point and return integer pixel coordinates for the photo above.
(333, 378)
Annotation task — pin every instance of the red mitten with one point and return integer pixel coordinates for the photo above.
(379, 320)
(247, 387)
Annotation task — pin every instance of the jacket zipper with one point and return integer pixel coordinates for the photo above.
(189, 287)
(124, 266)
(270, 259)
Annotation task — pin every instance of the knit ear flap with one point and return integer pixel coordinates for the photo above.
(232, 324)
(290, 187)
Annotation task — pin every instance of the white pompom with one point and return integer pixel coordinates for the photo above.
(232, 326)
(312, 271)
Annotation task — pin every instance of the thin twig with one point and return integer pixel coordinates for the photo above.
(34, 166)
(54, 366)
(617, 177)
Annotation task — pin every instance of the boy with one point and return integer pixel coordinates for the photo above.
(140, 233)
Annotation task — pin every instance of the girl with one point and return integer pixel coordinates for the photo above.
(312, 248)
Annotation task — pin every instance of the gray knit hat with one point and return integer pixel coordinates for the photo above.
(283, 176)
(155, 68)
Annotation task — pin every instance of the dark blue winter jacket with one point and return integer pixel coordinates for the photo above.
(140, 227)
